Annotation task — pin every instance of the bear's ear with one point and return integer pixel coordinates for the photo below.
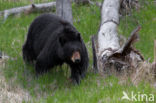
(68, 29)
(64, 22)
(79, 36)
(62, 40)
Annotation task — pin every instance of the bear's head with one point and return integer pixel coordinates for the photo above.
(71, 44)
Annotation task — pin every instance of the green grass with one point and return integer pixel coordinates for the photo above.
(54, 86)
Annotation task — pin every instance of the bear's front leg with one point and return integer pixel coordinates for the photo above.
(40, 67)
(75, 75)
(83, 70)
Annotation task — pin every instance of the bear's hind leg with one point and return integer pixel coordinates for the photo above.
(40, 67)
(43, 63)
(28, 54)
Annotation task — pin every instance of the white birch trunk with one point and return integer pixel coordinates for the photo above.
(64, 10)
(107, 35)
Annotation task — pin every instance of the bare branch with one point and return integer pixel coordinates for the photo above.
(94, 49)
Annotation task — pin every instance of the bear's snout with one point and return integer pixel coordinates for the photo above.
(76, 58)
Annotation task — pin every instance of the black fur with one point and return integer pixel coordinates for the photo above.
(51, 42)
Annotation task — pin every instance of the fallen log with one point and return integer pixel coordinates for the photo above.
(82, 1)
(44, 7)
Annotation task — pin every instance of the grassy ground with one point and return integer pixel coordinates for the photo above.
(54, 86)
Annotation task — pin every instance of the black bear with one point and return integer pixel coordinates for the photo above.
(52, 41)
